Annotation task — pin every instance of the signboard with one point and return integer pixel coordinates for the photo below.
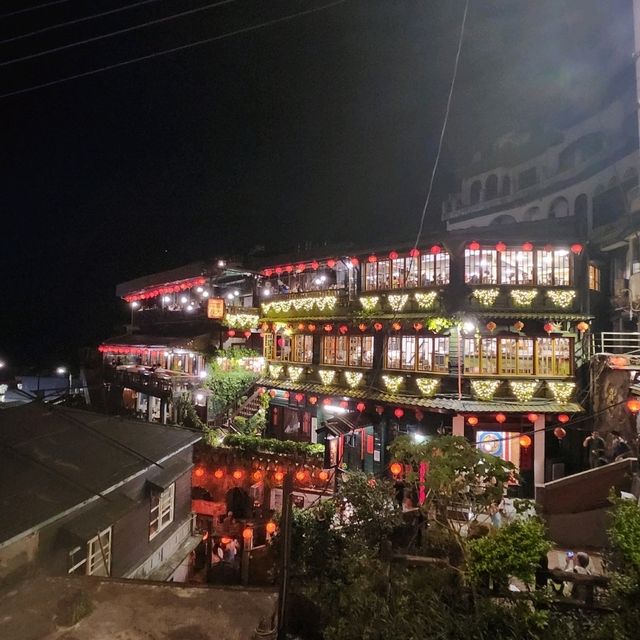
(215, 308)
(208, 508)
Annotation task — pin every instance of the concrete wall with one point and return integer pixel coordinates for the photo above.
(16, 557)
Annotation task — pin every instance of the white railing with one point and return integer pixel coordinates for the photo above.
(626, 342)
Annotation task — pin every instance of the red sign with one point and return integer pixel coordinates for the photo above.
(208, 508)
(215, 308)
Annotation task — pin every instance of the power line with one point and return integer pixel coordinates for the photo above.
(76, 21)
(111, 34)
(163, 52)
(29, 9)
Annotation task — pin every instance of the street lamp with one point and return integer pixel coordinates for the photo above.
(134, 305)
(2, 364)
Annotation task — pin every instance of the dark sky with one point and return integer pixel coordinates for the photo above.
(320, 128)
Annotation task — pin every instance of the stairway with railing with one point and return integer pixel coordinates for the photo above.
(619, 342)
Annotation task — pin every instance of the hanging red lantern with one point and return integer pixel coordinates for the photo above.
(633, 404)
(525, 441)
(314, 265)
(548, 327)
(491, 326)
(280, 342)
(414, 253)
(289, 268)
(285, 395)
(582, 326)
(576, 249)
(300, 475)
(474, 246)
(343, 329)
(355, 262)
(563, 418)
(436, 249)
(301, 326)
(518, 326)
(278, 476)
(396, 326)
(559, 433)
(393, 255)
(311, 327)
(527, 246)
(237, 474)
(323, 475)
(344, 404)
(261, 391)
(198, 472)
(395, 468)
(331, 263)
(247, 334)
(377, 326)
(501, 246)
(273, 393)
(398, 413)
(418, 326)
(257, 476)
(419, 415)
(326, 401)
(472, 420)
(301, 266)
(299, 397)
(328, 328)
(313, 400)
(362, 326)
(532, 417)
(501, 418)
(265, 327)
(218, 473)
(231, 333)
(379, 410)
(270, 528)
(372, 259)
(361, 406)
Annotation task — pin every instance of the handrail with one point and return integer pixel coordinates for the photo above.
(627, 342)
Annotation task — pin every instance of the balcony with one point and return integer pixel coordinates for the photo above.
(626, 343)
(524, 298)
(317, 304)
(159, 383)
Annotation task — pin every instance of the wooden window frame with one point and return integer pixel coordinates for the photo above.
(165, 507)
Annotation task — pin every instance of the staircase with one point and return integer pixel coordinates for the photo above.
(250, 406)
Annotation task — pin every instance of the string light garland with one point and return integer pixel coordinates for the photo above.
(397, 302)
(427, 386)
(275, 370)
(486, 297)
(523, 297)
(561, 298)
(241, 320)
(295, 373)
(426, 300)
(327, 376)
(369, 303)
(353, 378)
(165, 289)
(393, 383)
(561, 391)
(524, 391)
(301, 304)
(484, 389)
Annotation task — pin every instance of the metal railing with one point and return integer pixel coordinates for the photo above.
(623, 342)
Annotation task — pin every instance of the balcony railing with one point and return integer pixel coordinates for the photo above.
(621, 342)
(158, 384)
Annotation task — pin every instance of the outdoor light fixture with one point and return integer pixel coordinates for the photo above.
(221, 263)
(199, 289)
(184, 299)
(190, 307)
(202, 375)
(166, 299)
(236, 293)
(205, 294)
(229, 296)
(2, 364)
(419, 438)
(135, 304)
(468, 327)
(330, 408)
(61, 371)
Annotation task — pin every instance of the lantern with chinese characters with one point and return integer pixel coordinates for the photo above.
(395, 468)
(525, 441)
(501, 418)
(491, 326)
(398, 413)
(472, 420)
(559, 432)
(518, 325)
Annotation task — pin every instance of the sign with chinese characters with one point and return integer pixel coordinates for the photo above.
(215, 308)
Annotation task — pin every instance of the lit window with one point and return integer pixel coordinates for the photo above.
(303, 348)
(480, 267)
(423, 353)
(554, 356)
(370, 276)
(329, 350)
(393, 352)
(267, 346)
(283, 348)
(434, 269)
(341, 350)
(594, 277)
(161, 510)
(94, 558)
(516, 267)
(384, 274)
(409, 352)
(481, 355)
(361, 351)
(397, 273)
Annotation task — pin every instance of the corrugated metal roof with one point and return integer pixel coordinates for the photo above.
(539, 405)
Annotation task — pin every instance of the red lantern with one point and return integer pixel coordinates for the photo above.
(576, 249)
(501, 246)
(270, 528)
(299, 397)
(474, 246)
(491, 325)
(527, 246)
(559, 433)
(372, 259)
(315, 264)
(328, 328)
(247, 334)
(261, 391)
(326, 401)
(518, 326)
(361, 406)
(396, 326)
(300, 266)
(393, 255)
(582, 326)
(344, 404)
(231, 333)
(418, 326)
(301, 326)
(257, 475)
(313, 400)
(331, 263)
(199, 472)
(285, 395)
(436, 249)
(323, 475)
(289, 268)
(398, 413)
(395, 468)
(419, 414)
(278, 476)
(355, 262)
(362, 326)
(273, 393)
(501, 418)
(311, 327)
(218, 473)
(379, 410)
(563, 418)
(532, 417)
(343, 329)
(414, 253)
(525, 441)
(300, 476)
(237, 474)
(548, 327)
(633, 404)
(377, 326)
(472, 420)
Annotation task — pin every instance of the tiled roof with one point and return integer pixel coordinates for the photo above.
(539, 405)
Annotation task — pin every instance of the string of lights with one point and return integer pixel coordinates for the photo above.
(176, 49)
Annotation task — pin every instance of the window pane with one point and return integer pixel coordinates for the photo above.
(545, 267)
(441, 354)
(329, 349)
(480, 266)
(516, 267)
(367, 351)
(427, 270)
(411, 265)
(489, 352)
(507, 355)
(409, 352)
(283, 348)
(384, 274)
(561, 271)
(393, 352)
(525, 356)
(341, 350)
(442, 268)
(545, 356)
(472, 266)
(267, 348)
(355, 351)
(371, 274)
(397, 273)
(425, 354)
(471, 355)
(489, 266)
(562, 356)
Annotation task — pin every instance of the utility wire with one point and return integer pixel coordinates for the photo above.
(34, 8)
(164, 52)
(60, 25)
(111, 34)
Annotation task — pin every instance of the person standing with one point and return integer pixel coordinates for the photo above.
(620, 447)
(595, 446)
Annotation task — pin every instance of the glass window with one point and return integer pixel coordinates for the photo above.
(329, 349)
(480, 267)
(471, 348)
(361, 351)
(367, 351)
(516, 267)
(99, 554)
(425, 353)
(441, 354)
(411, 264)
(397, 273)
(384, 274)
(442, 268)
(594, 277)
(409, 352)
(554, 356)
(393, 352)
(434, 269)
(161, 510)
(341, 350)
(267, 346)
(303, 348)
(283, 348)
(516, 356)
(489, 352)
(545, 267)
(370, 277)
(561, 268)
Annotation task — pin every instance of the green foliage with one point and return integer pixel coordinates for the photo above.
(624, 533)
(512, 550)
(187, 415)
(229, 380)
(437, 325)
(255, 444)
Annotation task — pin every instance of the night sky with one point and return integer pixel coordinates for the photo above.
(321, 128)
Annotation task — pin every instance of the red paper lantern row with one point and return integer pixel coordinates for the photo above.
(527, 246)
(474, 246)
(298, 268)
(119, 349)
(299, 397)
(166, 289)
(343, 329)
(532, 417)
(414, 253)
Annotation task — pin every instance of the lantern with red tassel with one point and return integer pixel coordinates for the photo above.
(398, 413)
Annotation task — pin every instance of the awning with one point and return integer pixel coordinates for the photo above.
(340, 425)
(99, 516)
(163, 478)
